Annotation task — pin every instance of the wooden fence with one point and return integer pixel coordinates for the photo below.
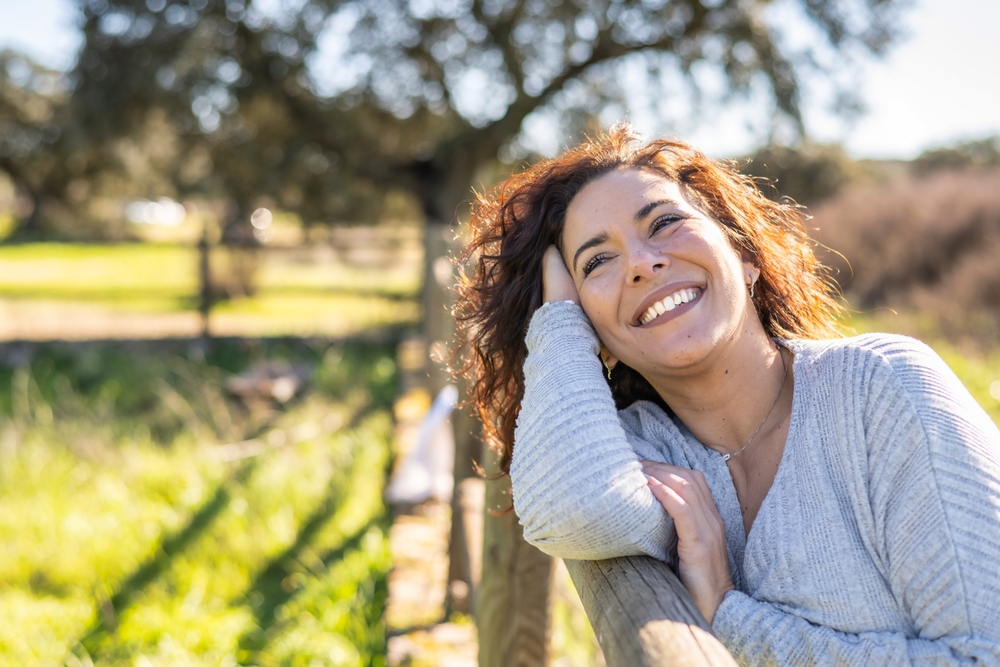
(643, 616)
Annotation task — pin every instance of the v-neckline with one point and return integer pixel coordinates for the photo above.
(793, 427)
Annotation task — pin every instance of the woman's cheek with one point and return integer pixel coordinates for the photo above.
(604, 328)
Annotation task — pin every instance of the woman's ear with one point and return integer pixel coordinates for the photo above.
(750, 271)
(609, 360)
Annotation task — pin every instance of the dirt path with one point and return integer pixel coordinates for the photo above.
(418, 637)
(418, 633)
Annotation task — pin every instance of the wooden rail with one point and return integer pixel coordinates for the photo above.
(643, 616)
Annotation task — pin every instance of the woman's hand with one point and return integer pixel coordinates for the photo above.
(701, 535)
(557, 283)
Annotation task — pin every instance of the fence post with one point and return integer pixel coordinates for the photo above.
(514, 607)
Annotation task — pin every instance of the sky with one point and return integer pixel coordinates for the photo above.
(938, 85)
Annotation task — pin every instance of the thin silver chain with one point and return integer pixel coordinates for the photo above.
(726, 457)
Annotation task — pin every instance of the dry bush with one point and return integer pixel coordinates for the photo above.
(930, 244)
(807, 174)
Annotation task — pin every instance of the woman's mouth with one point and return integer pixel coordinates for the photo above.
(669, 303)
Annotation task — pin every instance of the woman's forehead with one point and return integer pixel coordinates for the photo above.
(618, 197)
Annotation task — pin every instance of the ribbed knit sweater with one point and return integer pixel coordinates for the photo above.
(878, 542)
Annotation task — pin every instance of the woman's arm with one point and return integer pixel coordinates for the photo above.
(934, 487)
(579, 490)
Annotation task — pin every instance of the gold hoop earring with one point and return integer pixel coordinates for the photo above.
(607, 368)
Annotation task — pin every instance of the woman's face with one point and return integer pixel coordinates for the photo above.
(658, 279)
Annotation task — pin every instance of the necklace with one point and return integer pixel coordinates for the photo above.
(784, 376)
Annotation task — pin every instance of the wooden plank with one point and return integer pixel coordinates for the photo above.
(643, 615)
(513, 607)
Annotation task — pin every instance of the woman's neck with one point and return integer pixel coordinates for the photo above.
(724, 402)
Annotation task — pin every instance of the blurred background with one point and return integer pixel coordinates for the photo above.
(224, 232)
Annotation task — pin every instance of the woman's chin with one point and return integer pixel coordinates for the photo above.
(682, 350)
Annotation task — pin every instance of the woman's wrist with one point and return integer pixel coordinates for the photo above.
(557, 283)
(558, 324)
(561, 296)
(713, 611)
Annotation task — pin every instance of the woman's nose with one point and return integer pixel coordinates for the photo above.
(645, 264)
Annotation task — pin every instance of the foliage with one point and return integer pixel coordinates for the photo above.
(155, 547)
(69, 180)
(807, 174)
(922, 245)
(33, 103)
(978, 154)
(232, 100)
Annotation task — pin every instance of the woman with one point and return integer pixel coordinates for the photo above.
(685, 394)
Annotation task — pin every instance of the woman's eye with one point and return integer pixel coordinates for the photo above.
(593, 263)
(663, 221)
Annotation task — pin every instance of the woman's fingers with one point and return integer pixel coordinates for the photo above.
(686, 497)
(680, 510)
(701, 534)
(685, 482)
(557, 283)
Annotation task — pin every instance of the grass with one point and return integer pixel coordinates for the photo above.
(129, 540)
(149, 290)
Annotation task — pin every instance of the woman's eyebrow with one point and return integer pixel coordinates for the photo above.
(648, 208)
(596, 240)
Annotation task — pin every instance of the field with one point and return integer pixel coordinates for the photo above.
(149, 518)
(148, 515)
(55, 291)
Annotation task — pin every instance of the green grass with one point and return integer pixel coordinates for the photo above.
(129, 540)
(297, 291)
(98, 272)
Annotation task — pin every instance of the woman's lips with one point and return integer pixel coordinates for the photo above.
(667, 303)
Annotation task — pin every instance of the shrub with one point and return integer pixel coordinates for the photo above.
(807, 174)
(978, 154)
(928, 244)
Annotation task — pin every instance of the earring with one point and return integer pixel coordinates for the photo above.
(604, 361)
(752, 282)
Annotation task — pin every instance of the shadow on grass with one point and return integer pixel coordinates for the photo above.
(109, 610)
(276, 585)
(274, 591)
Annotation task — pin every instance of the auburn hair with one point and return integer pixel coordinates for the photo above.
(512, 224)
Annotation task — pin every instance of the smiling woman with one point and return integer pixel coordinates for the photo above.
(826, 500)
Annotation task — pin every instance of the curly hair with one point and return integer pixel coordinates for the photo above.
(512, 224)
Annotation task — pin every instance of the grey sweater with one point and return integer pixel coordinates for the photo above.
(878, 543)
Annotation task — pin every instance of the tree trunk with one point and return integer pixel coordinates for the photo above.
(243, 252)
(513, 610)
(204, 281)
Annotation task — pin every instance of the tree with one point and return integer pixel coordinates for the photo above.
(808, 173)
(979, 154)
(418, 96)
(32, 109)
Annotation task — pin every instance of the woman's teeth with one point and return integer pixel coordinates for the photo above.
(669, 303)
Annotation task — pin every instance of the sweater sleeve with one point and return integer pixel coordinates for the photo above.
(934, 491)
(579, 491)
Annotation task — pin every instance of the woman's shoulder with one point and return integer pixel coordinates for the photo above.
(868, 355)
(876, 345)
(643, 416)
(894, 373)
